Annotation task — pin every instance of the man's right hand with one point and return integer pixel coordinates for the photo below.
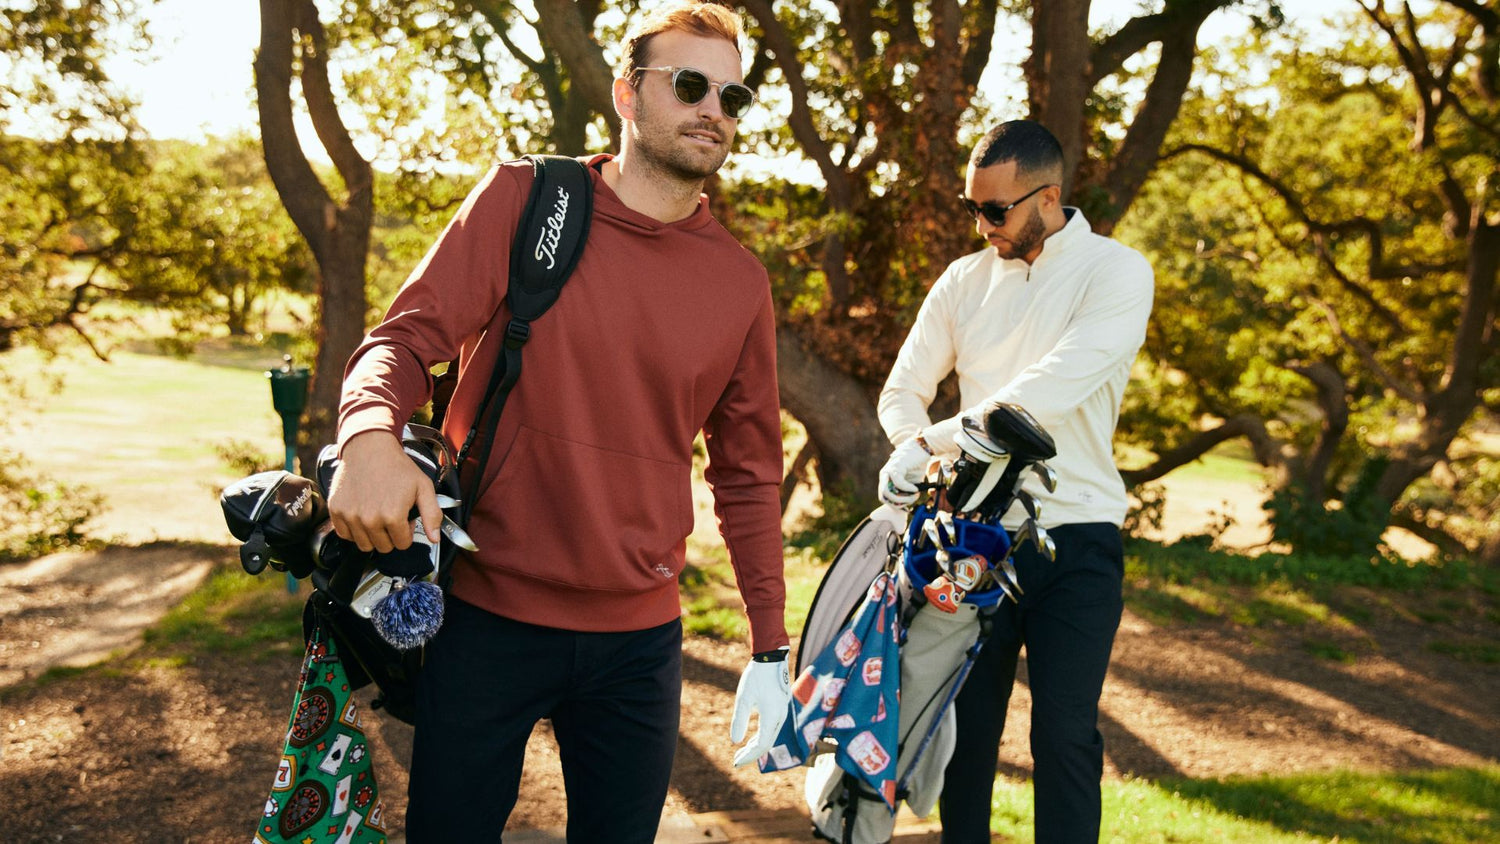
(373, 492)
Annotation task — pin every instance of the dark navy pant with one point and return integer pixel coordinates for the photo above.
(1066, 620)
(614, 700)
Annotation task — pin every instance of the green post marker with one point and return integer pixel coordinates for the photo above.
(289, 397)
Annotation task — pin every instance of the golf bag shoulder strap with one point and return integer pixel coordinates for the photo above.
(536, 279)
(548, 243)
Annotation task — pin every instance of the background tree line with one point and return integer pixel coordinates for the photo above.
(1322, 219)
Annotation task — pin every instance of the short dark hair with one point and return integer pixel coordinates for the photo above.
(1034, 149)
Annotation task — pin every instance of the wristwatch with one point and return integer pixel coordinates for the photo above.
(778, 655)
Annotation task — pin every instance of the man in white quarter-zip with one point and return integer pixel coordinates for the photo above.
(1049, 316)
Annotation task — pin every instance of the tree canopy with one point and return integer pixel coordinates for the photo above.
(1326, 249)
(1322, 219)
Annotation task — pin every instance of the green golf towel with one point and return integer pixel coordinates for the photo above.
(325, 790)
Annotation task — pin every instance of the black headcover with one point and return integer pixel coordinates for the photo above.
(1019, 432)
(274, 514)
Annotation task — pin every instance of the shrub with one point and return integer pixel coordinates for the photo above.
(1351, 529)
(39, 515)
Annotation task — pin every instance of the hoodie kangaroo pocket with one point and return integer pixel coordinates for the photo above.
(591, 517)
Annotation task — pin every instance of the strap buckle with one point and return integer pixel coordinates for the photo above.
(517, 332)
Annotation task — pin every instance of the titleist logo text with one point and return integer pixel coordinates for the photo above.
(546, 245)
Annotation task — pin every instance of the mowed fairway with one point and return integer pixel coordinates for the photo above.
(142, 429)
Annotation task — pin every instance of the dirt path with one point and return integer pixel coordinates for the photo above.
(77, 608)
(186, 753)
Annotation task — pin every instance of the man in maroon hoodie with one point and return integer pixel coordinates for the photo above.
(570, 609)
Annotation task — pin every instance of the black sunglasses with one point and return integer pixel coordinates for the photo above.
(691, 86)
(994, 212)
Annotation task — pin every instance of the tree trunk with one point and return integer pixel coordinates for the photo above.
(237, 319)
(796, 472)
(839, 417)
(341, 327)
(1489, 553)
(1056, 74)
(566, 28)
(943, 96)
(338, 234)
(1474, 345)
(1333, 400)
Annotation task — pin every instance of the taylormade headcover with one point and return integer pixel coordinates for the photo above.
(274, 514)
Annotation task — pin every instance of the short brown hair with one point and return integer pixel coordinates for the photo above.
(708, 19)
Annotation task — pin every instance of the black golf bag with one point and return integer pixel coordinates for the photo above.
(282, 519)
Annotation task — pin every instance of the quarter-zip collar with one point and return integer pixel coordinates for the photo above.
(1072, 232)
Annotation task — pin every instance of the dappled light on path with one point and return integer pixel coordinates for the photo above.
(76, 608)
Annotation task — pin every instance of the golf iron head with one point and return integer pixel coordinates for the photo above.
(945, 521)
(1046, 473)
(1008, 566)
(1044, 543)
(934, 535)
(458, 535)
(1006, 587)
(1027, 531)
(1028, 501)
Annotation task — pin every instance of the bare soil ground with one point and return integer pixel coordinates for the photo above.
(148, 750)
(145, 751)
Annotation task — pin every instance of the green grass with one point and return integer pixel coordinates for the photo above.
(710, 602)
(1185, 562)
(1324, 649)
(1457, 805)
(231, 613)
(145, 431)
(1469, 651)
(1327, 600)
(1220, 467)
(179, 397)
(804, 572)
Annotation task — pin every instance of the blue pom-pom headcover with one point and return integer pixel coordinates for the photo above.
(410, 615)
(973, 538)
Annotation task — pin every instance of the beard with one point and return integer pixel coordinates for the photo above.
(1026, 240)
(664, 148)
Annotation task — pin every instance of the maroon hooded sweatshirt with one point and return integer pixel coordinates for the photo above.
(663, 330)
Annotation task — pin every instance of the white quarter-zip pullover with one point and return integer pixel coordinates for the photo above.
(1056, 337)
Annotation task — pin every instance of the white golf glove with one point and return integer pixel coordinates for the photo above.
(974, 440)
(902, 472)
(765, 688)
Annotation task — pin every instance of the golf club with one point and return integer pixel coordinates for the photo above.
(1028, 501)
(1046, 473)
(988, 483)
(932, 533)
(1044, 543)
(1009, 567)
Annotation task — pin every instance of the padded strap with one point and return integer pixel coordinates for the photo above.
(547, 247)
